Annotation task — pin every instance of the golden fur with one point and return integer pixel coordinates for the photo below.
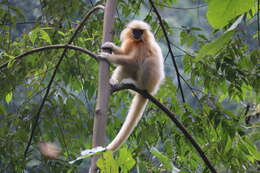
(140, 62)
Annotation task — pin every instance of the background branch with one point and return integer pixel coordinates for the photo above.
(169, 47)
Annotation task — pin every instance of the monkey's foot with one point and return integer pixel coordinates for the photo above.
(113, 81)
(128, 81)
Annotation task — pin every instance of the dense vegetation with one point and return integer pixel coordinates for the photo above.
(215, 44)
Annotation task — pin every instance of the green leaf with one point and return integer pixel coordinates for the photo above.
(186, 38)
(33, 35)
(228, 144)
(61, 33)
(125, 160)
(220, 12)
(215, 46)
(39, 32)
(8, 97)
(44, 35)
(107, 163)
(167, 163)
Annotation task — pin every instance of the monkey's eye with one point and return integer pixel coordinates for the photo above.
(137, 33)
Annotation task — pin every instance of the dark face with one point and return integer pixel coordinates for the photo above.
(137, 33)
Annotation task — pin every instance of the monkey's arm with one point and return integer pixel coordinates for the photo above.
(124, 60)
(115, 49)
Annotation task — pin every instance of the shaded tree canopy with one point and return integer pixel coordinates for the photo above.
(211, 51)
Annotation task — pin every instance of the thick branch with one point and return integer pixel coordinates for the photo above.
(56, 46)
(100, 121)
(169, 47)
(171, 116)
(37, 116)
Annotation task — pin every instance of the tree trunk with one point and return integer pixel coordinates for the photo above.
(99, 130)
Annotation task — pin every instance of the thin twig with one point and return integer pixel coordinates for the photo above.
(169, 47)
(181, 49)
(18, 107)
(192, 90)
(37, 116)
(172, 116)
(247, 119)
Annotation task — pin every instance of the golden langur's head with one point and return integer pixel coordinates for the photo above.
(136, 30)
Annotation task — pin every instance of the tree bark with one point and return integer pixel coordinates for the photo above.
(100, 121)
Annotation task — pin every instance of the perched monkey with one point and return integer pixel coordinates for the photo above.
(140, 62)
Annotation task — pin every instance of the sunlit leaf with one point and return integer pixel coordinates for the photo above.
(44, 35)
(9, 97)
(167, 163)
(125, 160)
(215, 46)
(220, 12)
(107, 163)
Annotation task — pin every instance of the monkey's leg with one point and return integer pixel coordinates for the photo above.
(148, 78)
(117, 76)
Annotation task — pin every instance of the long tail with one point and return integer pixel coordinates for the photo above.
(133, 117)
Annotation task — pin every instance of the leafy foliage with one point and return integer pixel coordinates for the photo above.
(221, 66)
(108, 164)
(221, 12)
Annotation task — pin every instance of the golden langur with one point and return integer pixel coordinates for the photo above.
(140, 62)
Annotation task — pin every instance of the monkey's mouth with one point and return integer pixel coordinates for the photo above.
(137, 33)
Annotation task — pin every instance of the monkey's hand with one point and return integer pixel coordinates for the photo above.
(108, 45)
(104, 55)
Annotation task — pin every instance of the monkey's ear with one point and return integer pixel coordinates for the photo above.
(123, 34)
